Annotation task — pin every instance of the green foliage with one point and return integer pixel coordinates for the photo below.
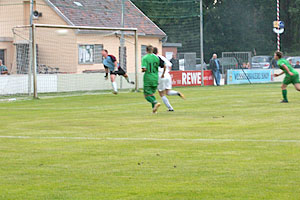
(229, 25)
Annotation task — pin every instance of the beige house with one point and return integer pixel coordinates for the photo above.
(72, 51)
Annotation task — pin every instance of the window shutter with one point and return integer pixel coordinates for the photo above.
(144, 52)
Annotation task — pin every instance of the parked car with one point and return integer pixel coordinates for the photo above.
(294, 60)
(261, 62)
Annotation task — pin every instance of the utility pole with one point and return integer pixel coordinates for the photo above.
(278, 19)
(201, 43)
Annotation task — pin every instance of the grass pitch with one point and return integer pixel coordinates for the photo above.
(230, 142)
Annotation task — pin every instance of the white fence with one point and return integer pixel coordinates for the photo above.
(53, 83)
(280, 78)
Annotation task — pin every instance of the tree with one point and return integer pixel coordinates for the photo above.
(229, 25)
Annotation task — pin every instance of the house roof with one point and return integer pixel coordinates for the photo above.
(105, 13)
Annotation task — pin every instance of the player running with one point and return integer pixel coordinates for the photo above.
(150, 65)
(110, 63)
(291, 75)
(165, 82)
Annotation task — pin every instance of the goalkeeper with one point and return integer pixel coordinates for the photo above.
(110, 63)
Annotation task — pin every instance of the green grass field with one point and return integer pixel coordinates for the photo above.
(230, 142)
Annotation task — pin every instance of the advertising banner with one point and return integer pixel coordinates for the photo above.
(255, 76)
(191, 78)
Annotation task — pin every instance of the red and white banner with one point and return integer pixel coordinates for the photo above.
(191, 78)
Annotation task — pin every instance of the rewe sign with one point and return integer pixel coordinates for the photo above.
(191, 78)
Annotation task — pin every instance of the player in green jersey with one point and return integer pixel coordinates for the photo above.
(291, 75)
(150, 65)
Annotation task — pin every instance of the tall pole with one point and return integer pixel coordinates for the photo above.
(201, 43)
(122, 43)
(278, 19)
(30, 49)
(34, 64)
(136, 60)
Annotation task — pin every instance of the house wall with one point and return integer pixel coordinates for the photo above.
(54, 50)
(112, 44)
(57, 51)
(49, 15)
(16, 13)
(8, 53)
(11, 15)
(170, 49)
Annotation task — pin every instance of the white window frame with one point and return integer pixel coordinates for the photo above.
(85, 62)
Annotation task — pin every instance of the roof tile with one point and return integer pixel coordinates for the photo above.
(106, 13)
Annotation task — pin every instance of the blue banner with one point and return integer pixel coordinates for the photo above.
(255, 76)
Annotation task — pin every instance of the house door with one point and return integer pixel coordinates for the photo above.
(2, 57)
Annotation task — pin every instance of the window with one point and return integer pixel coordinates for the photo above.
(2, 56)
(86, 54)
(144, 52)
(90, 54)
(124, 59)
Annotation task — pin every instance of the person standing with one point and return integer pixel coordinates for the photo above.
(174, 62)
(297, 66)
(215, 66)
(291, 75)
(150, 65)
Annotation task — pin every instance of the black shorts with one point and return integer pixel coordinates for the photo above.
(120, 72)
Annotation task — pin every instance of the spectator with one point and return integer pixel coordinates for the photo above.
(274, 64)
(3, 68)
(297, 64)
(215, 66)
(175, 63)
(248, 66)
(244, 65)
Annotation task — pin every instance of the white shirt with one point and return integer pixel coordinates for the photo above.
(168, 65)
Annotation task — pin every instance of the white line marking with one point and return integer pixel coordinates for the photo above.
(153, 139)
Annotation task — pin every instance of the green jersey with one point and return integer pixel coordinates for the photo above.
(151, 62)
(282, 62)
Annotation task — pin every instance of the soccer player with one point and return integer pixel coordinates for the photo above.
(150, 65)
(165, 82)
(106, 72)
(291, 75)
(110, 63)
